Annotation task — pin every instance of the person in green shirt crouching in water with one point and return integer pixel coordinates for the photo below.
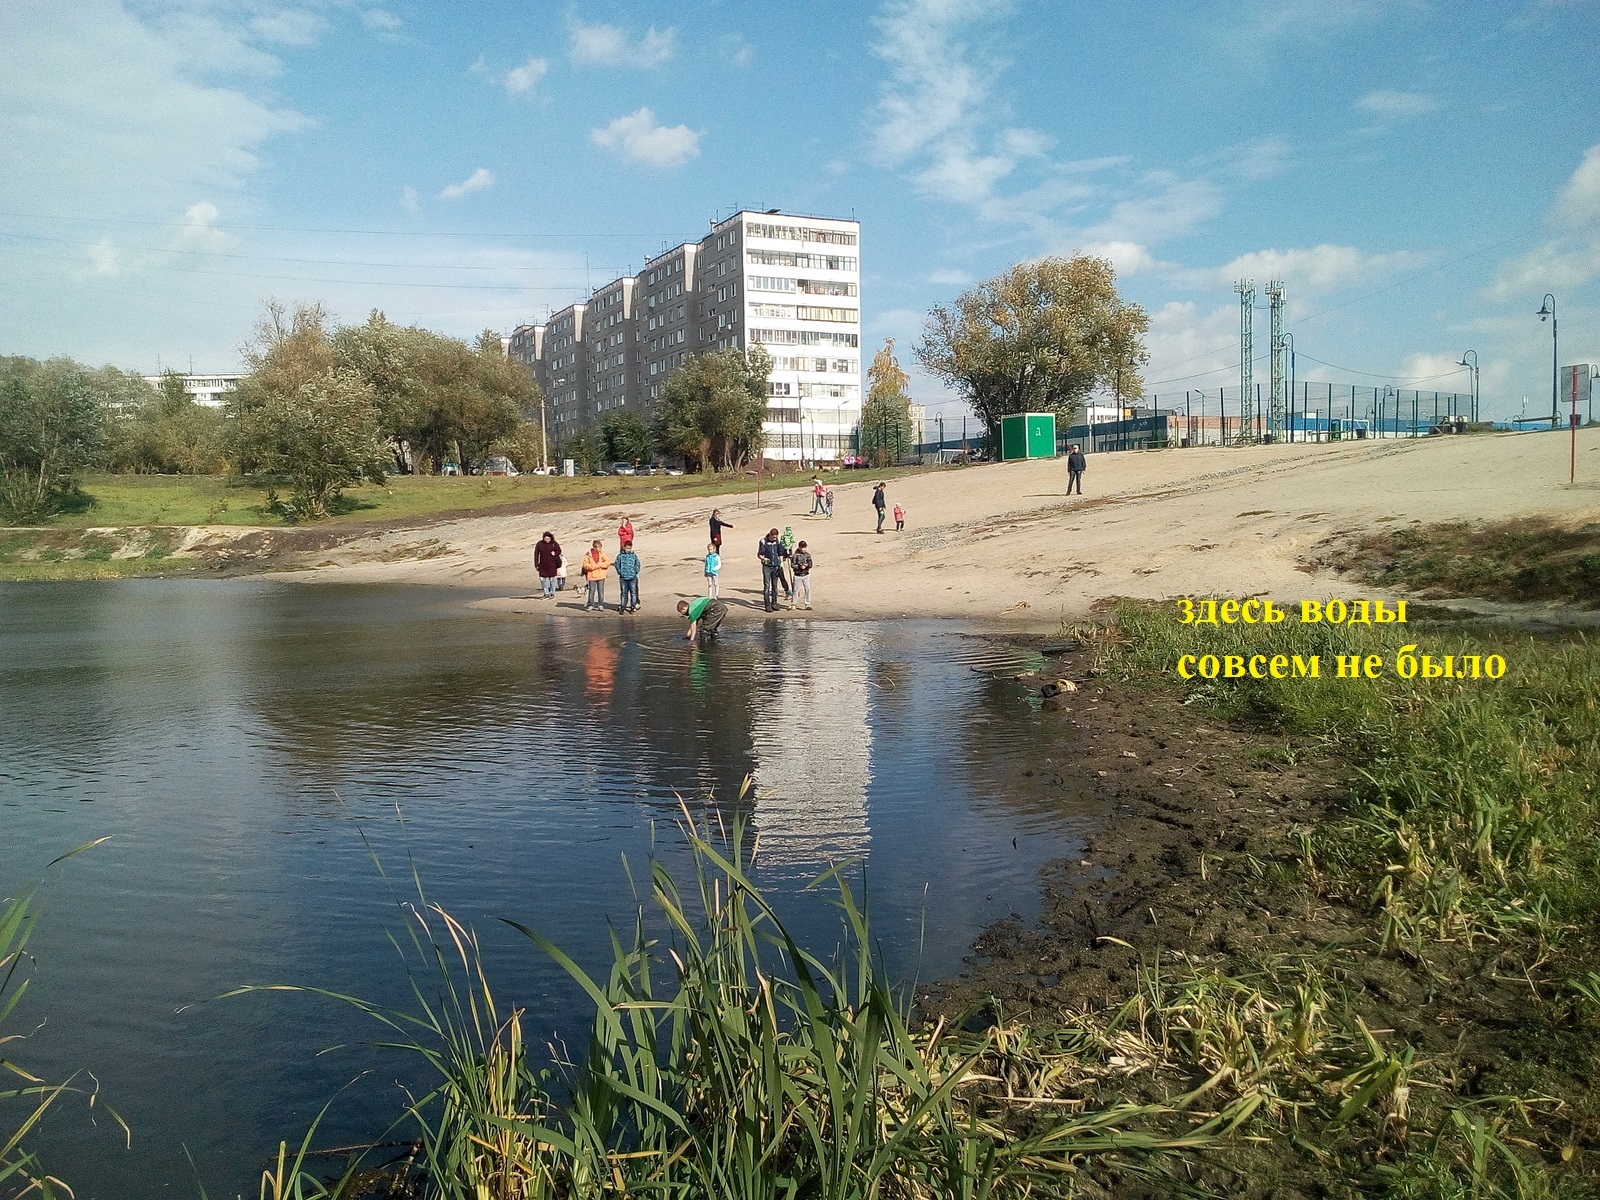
(705, 614)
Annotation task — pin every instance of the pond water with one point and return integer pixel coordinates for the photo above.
(243, 745)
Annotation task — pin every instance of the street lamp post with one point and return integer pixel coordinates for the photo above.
(1548, 309)
(1473, 367)
(1388, 390)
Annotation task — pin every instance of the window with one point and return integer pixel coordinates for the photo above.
(827, 314)
(771, 283)
(800, 233)
(827, 287)
(828, 391)
(776, 337)
(780, 389)
(783, 311)
(826, 339)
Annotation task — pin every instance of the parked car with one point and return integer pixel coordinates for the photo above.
(499, 464)
(449, 469)
(624, 468)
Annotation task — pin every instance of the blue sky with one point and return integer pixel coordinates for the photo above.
(1419, 174)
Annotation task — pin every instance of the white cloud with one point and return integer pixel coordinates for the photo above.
(1440, 371)
(639, 139)
(1393, 105)
(199, 229)
(736, 50)
(104, 258)
(1129, 258)
(408, 199)
(1578, 205)
(1324, 268)
(289, 27)
(476, 182)
(1171, 207)
(949, 278)
(1572, 258)
(610, 46)
(147, 134)
(382, 22)
(1191, 347)
(518, 81)
(523, 79)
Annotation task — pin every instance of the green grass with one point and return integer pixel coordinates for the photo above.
(1530, 558)
(1472, 841)
(137, 500)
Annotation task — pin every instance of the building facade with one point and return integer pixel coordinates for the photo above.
(210, 390)
(787, 283)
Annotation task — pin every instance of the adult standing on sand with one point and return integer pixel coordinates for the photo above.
(878, 503)
(1075, 466)
(771, 553)
(818, 492)
(717, 526)
(547, 561)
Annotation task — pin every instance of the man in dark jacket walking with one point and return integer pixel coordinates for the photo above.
(771, 552)
(879, 503)
(1075, 466)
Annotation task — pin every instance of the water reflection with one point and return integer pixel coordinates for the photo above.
(231, 737)
(813, 748)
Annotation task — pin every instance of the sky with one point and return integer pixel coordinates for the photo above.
(1418, 174)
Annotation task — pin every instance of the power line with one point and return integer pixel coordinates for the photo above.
(319, 262)
(1376, 375)
(310, 229)
(376, 283)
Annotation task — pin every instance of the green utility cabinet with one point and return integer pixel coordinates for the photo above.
(1027, 435)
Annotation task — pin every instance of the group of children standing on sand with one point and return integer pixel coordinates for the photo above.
(552, 569)
(786, 566)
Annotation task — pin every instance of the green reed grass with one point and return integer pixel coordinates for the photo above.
(25, 1098)
(725, 1060)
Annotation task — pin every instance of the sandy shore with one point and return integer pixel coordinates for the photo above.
(1003, 545)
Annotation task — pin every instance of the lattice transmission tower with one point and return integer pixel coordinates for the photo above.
(1280, 364)
(1247, 360)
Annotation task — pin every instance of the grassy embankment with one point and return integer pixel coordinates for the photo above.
(124, 525)
(1533, 558)
(1468, 857)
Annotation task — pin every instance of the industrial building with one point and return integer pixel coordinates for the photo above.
(786, 282)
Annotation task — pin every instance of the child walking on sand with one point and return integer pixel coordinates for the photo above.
(713, 569)
(899, 517)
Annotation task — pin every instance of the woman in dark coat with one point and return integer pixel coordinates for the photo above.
(547, 561)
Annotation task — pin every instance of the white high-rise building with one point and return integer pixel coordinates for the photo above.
(788, 283)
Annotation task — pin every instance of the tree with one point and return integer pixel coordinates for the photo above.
(438, 399)
(583, 449)
(713, 408)
(625, 437)
(524, 447)
(886, 429)
(52, 423)
(1039, 338)
(298, 413)
(162, 429)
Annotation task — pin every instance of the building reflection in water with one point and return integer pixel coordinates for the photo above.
(812, 748)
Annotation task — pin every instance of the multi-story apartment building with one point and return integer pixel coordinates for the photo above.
(787, 283)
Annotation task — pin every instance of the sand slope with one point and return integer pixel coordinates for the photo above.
(1002, 544)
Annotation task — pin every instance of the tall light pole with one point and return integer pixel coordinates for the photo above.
(1388, 390)
(1473, 366)
(1288, 341)
(1548, 309)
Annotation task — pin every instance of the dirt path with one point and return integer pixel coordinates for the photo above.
(1003, 545)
